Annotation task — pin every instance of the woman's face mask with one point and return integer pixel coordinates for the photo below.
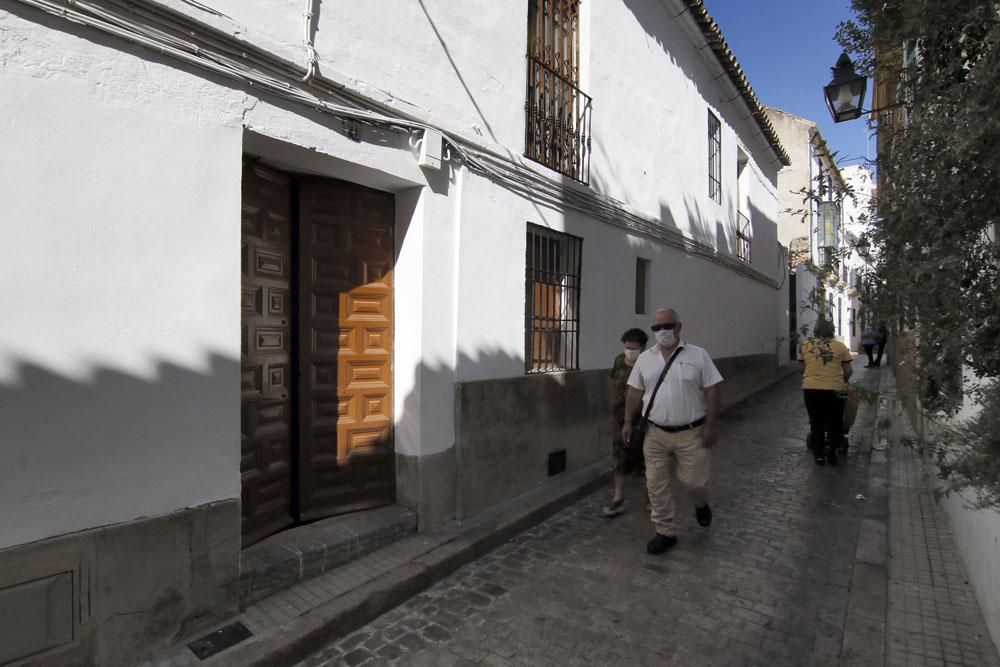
(632, 355)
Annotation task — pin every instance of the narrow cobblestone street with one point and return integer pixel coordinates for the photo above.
(768, 583)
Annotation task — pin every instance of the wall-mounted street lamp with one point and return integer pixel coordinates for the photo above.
(845, 94)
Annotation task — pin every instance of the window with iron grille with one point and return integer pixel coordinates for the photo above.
(743, 236)
(826, 257)
(557, 123)
(714, 158)
(552, 300)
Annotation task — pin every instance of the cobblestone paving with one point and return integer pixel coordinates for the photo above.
(933, 618)
(767, 583)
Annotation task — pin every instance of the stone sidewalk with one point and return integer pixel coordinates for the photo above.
(799, 567)
(933, 616)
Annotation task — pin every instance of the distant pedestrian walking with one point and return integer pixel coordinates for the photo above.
(868, 340)
(677, 386)
(826, 369)
(628, 461)
(883, 338)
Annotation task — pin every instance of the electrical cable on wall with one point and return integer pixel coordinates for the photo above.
(245, 65)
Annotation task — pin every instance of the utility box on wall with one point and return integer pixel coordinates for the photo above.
(37, 616)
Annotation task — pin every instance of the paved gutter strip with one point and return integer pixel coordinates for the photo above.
(287, 628)
(865, 626)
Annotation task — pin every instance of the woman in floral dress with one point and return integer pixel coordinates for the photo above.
(628, 460)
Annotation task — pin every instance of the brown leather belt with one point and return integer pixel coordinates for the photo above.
(676, 429)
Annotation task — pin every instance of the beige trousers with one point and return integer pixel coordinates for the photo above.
(693, 471)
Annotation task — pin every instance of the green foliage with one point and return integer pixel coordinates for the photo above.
(968, 454)
(939, 206)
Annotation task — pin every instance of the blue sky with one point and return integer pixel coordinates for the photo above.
(786, 49)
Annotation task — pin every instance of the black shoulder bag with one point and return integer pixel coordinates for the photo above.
(638, 435)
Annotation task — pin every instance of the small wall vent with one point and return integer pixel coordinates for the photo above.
(557, 462)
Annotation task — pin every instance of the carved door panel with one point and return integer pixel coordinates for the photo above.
(266, 403)
(346, 459)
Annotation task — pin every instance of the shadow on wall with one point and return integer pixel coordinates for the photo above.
(115, 444)
(765, 254)
(506, 424)
(118, 447)
(656, 20)
(458, 73)
(130, 485)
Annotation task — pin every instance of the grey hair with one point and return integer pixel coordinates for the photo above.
(669, 311)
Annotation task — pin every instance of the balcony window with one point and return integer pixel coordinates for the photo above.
(743, 236)
(557, 123)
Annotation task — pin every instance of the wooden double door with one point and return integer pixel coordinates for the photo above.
(317, 349)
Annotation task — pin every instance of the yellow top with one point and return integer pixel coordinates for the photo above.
(823, 359)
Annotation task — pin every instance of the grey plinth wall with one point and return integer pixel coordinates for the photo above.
(116, 594)
(746, 375)
(506, 429)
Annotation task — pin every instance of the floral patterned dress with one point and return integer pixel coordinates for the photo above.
(628, 461)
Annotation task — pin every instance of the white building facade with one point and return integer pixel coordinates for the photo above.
(820, 223)
(276, 264)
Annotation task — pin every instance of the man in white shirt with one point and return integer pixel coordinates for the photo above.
(683, 422)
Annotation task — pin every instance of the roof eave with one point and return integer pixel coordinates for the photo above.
(713, 37)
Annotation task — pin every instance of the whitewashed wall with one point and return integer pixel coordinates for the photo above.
(462, 65)
(977, 536)
(798, 176)
(120, 345)
(653, 83)
(120, 178)
(119, 374)
(491, 293)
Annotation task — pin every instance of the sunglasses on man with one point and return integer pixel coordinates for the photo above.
(665, 326)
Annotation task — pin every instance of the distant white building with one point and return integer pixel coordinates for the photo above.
(270, 265)
(858, 215)
(814, 219)
(858, 206)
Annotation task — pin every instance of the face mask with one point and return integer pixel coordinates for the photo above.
(632, 355)
(665, 337)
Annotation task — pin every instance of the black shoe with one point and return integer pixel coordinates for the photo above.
(660, 543)
(704, 515)
(820, 460)
(831, 456)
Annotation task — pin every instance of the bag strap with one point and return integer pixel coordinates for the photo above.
(666, 368)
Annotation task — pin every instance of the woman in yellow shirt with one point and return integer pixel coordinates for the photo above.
(827, 367)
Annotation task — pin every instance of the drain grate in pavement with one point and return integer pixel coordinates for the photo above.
(221, 639)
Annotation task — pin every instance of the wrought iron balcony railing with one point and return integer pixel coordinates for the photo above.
(557, 122)
(743, 237)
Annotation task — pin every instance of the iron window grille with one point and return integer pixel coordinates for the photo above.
(826, 255)
(552, 301)
(743, 237)
(557, 112)
(714, 158)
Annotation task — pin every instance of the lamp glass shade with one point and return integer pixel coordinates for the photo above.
(845, 94)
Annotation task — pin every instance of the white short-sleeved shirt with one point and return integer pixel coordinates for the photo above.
(681, 398)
